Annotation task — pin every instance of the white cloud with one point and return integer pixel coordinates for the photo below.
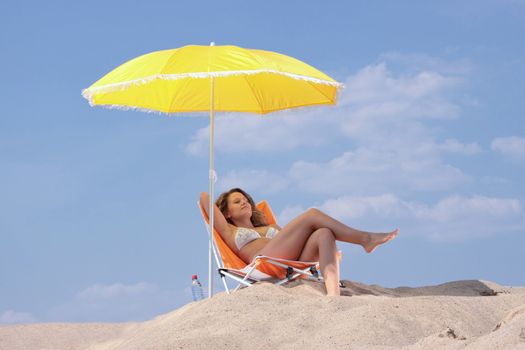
(242, 133)
(421, 61)
(11, 316)
(458, 218)
(254, 181)
(513, 147)
(452, 218)
(288, 213)
(458, 208)
(376, 171)
(99, 292)
(116, 302)
(383, 110)
(376, 83)
(454, 146)
(385, 115)
(386, 205)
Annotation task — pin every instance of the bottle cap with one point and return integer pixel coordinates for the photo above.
(194, 277)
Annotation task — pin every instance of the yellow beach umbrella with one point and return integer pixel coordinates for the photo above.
(212, 79)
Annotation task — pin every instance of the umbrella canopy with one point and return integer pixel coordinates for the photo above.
(178, 80)
(213, 78)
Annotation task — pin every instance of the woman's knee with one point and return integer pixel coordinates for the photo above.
(325, 234)
(313, 214)
(313, 211)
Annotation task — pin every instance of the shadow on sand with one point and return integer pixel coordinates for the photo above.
(468, 288)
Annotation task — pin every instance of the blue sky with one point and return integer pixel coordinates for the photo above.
(98, 215)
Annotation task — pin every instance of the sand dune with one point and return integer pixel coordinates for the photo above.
(454, 315)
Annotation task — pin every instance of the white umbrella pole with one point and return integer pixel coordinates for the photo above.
(212, 179)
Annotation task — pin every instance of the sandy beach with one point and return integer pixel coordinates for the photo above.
(456, 315)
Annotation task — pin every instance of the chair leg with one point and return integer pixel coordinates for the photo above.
(224, 283)
(246, 277)
(242, 281)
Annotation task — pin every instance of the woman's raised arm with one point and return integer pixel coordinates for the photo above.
(219, 221)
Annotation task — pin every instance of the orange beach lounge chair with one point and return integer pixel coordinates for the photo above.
(262, 268)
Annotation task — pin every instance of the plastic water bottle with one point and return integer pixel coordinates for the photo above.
(196, 289)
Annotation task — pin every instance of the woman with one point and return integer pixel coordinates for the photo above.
(310, 236)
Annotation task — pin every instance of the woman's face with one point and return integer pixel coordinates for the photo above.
(238, 206)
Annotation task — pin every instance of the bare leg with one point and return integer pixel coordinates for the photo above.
(289, 243)
(321, 247)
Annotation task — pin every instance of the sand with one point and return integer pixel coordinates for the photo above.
(455, 315)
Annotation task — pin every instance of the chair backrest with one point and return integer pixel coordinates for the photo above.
(229, 258)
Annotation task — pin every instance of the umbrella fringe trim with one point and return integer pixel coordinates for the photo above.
(186, 113)
(309, 108)
(131, 108)
(90, 92)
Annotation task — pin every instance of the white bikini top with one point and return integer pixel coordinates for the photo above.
(245, 235)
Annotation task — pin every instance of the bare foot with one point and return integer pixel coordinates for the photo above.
(377, 239)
